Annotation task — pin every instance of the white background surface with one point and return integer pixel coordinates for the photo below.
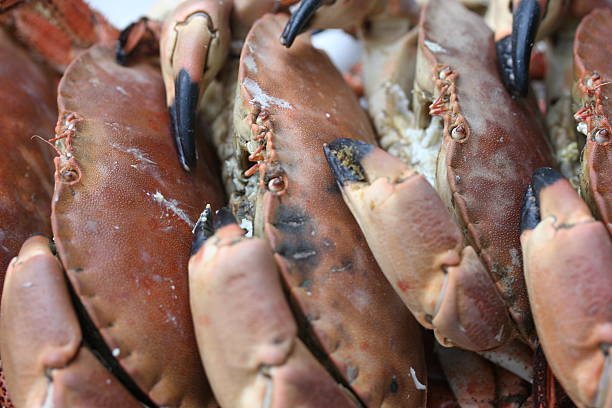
(342, 48)
(122, 12)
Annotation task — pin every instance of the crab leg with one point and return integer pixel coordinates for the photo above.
(419, 247)
(565, 249)
(194, 45)
(246, 333)
(43, 356)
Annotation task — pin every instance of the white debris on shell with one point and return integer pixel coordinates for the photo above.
(171, 205)
(250, 63)
(122, 91)
(116, 352)
(515, 255)
(419, 385)
(261, 98)
(138, 154)
(26, 284)
(434, 47)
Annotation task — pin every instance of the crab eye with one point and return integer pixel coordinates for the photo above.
(458, 132)
(69, 174)
(601, 136)
(276, 184)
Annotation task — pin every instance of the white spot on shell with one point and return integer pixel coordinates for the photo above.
(250, 63)
(499, 335)
(172, 206)
(260, 97)
(516, 257)
(138, 154)
(116, 352)
(435, 47)
(121, 90)
(26, 284)
(419, 385)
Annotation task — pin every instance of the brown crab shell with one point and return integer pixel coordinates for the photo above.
(483, 173)
(56, 31)
(27, 98)
(592, 50)
(123, 211)
(357, 325)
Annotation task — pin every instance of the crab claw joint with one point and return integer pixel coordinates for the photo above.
(568, 270)
(419, 247)
(246, 333)
(194, 45)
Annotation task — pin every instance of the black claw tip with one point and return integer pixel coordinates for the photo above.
(223, 217)
(525, 22)
(202, 230)
(184, 118)
(121, 55)
(503, 50)
(298, 21)
(542, 177)
(530, 211)
(344, 157)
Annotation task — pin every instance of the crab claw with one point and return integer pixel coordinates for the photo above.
(419, 247)
(514, 51)
(246, 332)
(46, 356)
(299, 19)
(194, 45)
(568, 270)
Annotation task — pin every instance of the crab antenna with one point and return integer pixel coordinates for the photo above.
(298, 20)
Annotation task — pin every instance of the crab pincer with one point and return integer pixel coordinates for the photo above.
(194, 45)
(568, 270)
(246, 332)
(444, 285)
(59, 368)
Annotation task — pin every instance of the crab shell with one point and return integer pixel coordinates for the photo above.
(28, 99)
(593, 91)
(29, 108)
(338, 293)
(123, 210)
(492, 143)
(56, 30)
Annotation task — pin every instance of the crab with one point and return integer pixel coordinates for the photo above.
(334, 287)
(75, 311)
